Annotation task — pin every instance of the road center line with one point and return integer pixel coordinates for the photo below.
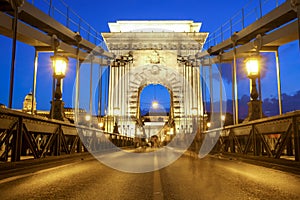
(157, 186)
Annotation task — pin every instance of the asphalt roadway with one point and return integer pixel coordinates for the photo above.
(83, 177)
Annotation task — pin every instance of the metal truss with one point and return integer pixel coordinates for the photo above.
(272, 137)
(23, 134)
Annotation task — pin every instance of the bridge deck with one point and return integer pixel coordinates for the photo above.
(187, 178)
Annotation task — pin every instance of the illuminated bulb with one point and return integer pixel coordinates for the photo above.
(208, 124)
(155, 104)
(100, 124)
(223, 117)
(87, 117)
(59, 64)
(252, 66)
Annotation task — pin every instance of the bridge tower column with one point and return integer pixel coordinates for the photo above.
(235, 105)
(111, 97)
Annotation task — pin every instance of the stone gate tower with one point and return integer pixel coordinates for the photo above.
(154, 52)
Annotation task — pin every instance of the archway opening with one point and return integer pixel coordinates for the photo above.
(155, 111)
(155, 99)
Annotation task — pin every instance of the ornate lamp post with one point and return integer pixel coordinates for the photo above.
(254, 105)
(59, 64)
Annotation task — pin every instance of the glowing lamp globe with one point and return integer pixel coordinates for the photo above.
(59, 64)
(252, 66)
(87, 118)
(223, 117)
(100, 124)
(208, 124)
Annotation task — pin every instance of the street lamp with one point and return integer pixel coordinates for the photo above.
(223, 117)
(59, 65)
(254, 105)
(252, 66)
(101, 125)
(87, 117)
(208, 124)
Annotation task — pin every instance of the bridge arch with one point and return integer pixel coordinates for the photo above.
(141, 92)
(125, 97)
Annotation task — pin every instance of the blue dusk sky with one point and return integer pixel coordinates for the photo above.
(98, 13)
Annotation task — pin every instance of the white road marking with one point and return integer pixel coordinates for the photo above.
(157, 187)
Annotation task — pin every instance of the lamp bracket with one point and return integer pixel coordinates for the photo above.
(220, 56)
(55, 43)
(78, 37)
(234, 38)
(258, 42)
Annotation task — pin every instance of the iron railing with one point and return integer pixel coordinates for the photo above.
(23, 134)
(275, 137)
(60, 11)
(250, 13)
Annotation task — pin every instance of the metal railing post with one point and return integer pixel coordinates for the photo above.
(17, 142)
(296, 139)
(79, 26)
(243, 18)
(68, 17)
(50, 7)
(230, 26)
(260, 8)
(222, 39)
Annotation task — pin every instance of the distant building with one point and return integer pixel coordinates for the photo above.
(83, 117)
(154, 122)
(69, 112)
(27, 103)
(156, 117)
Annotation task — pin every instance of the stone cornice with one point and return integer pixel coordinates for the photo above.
(154, 40)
